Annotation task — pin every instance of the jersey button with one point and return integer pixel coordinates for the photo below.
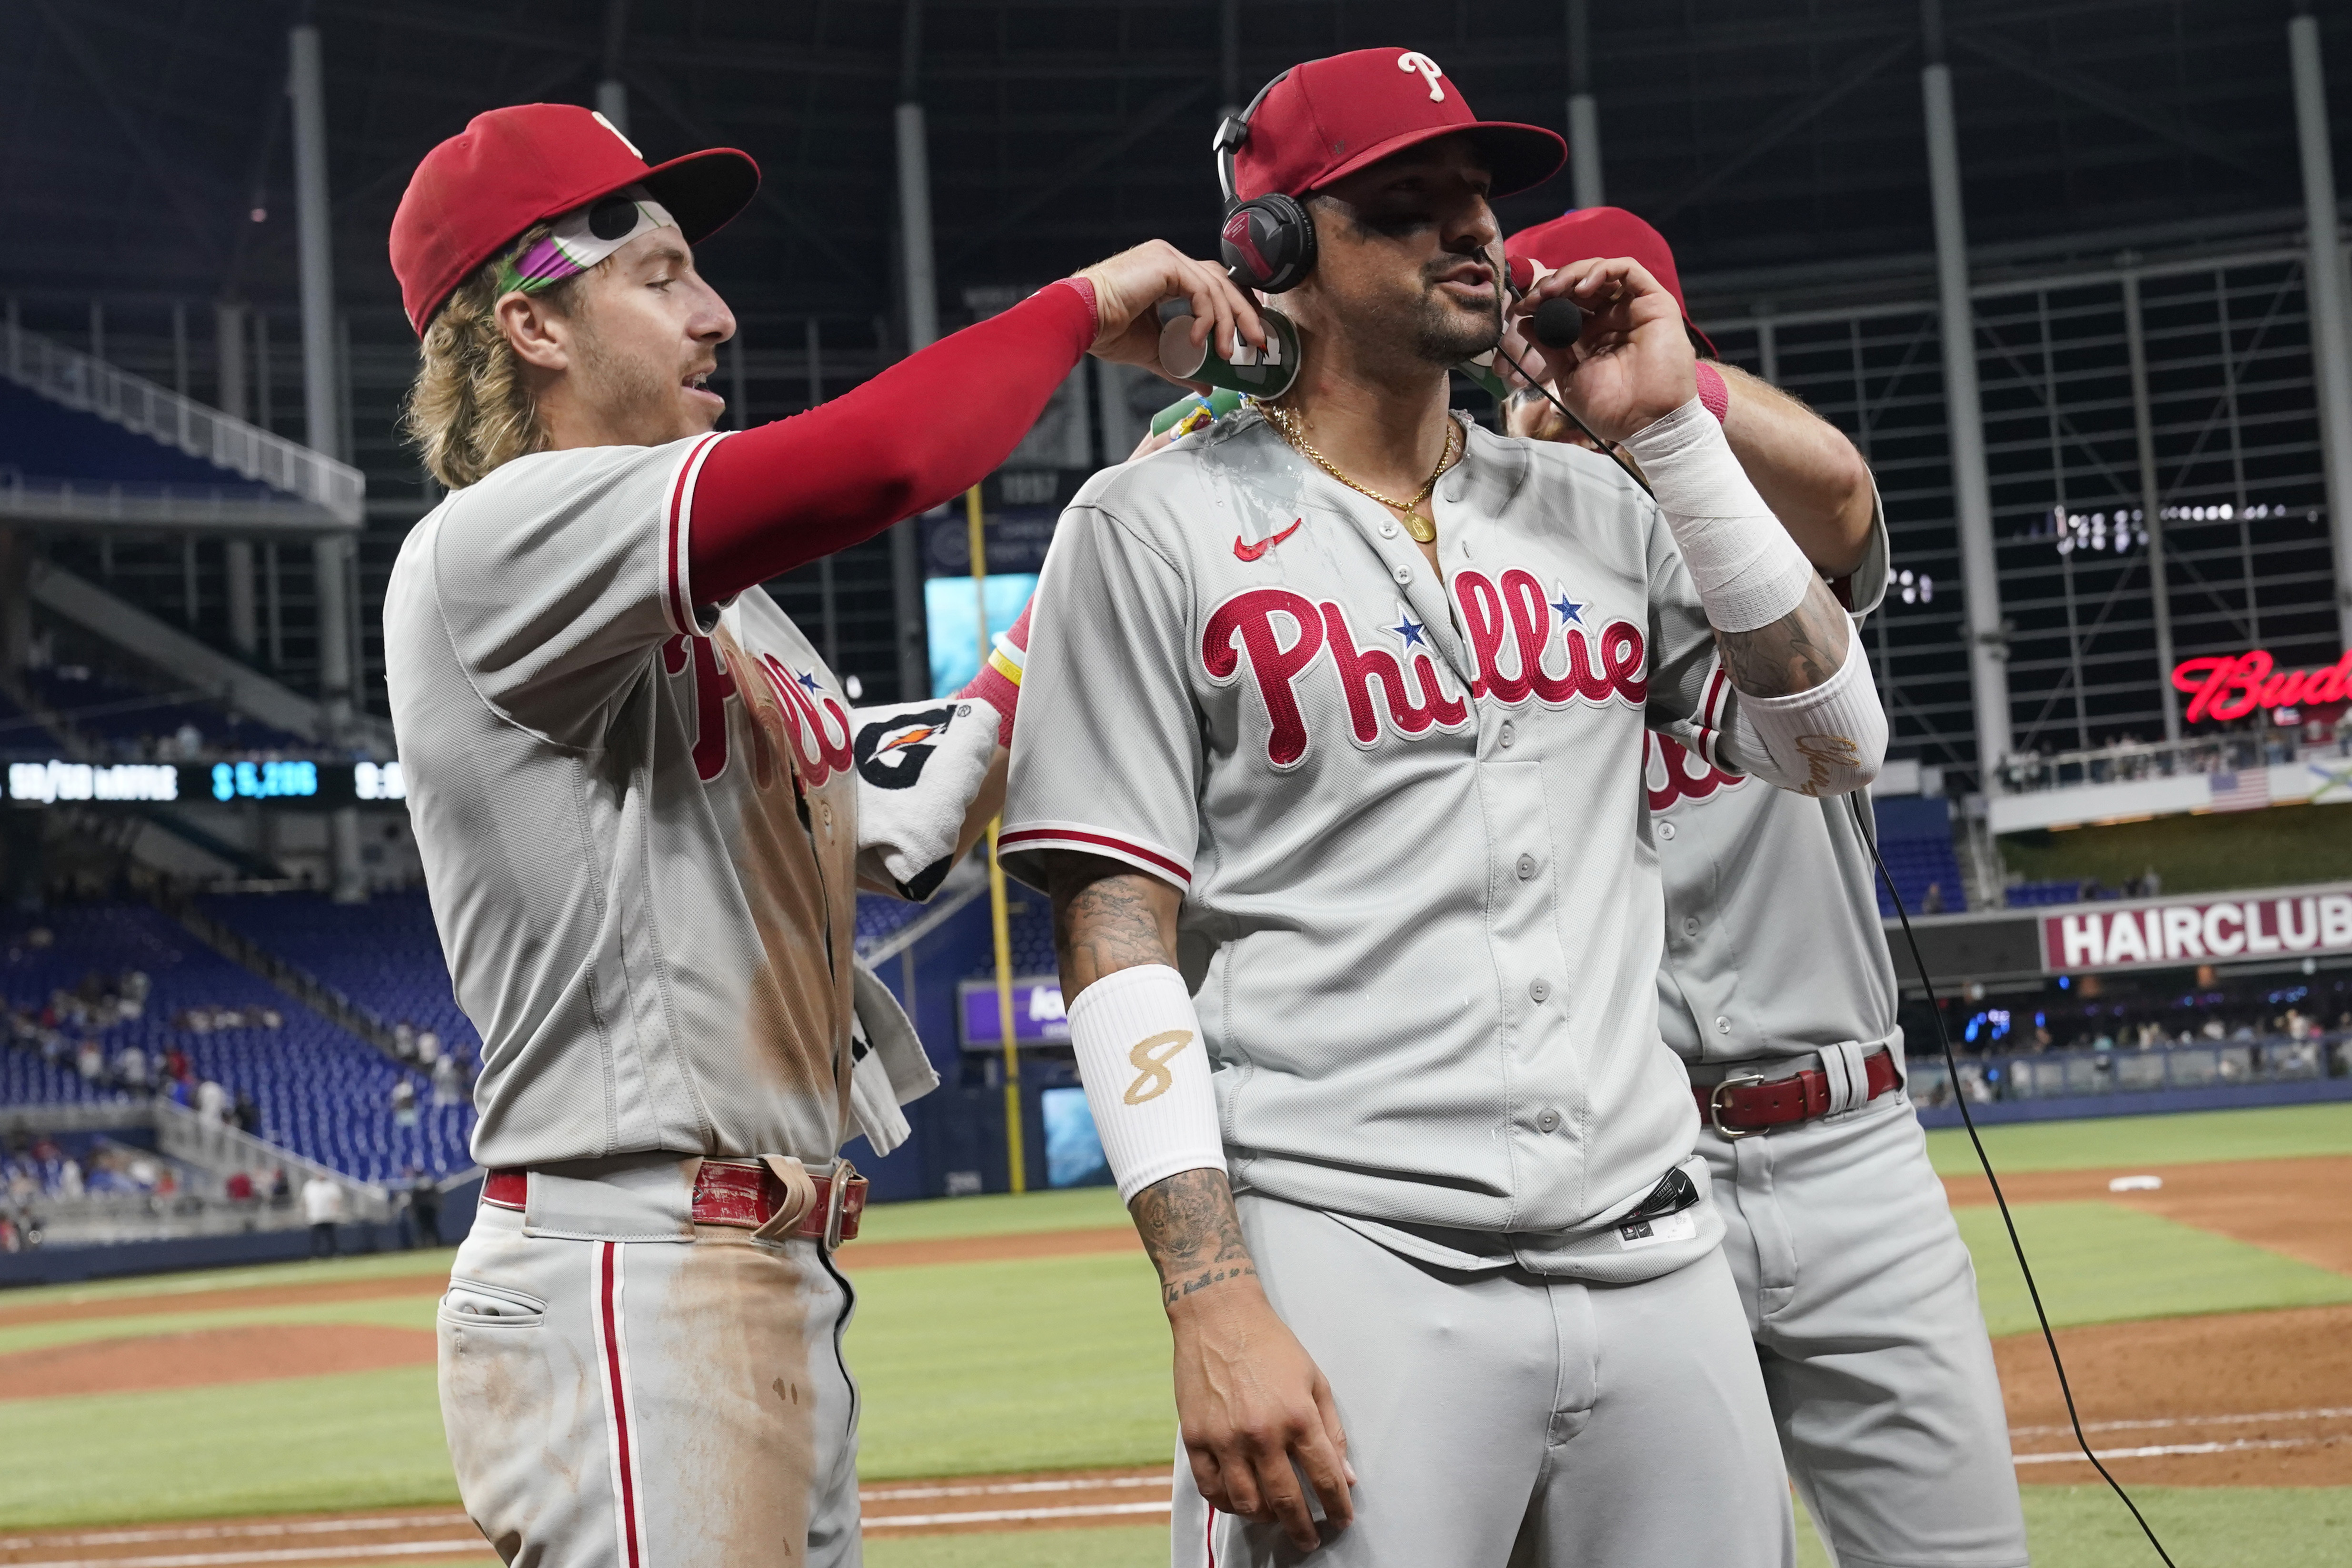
(1665, 830)
(1549, 1121)
(1527, 867)
(1508, 733)
(1539, 989)
(1388, 530)
(1722, 1026)
(1403, 575)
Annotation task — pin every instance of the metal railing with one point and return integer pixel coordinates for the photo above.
(2127, 762)
(2127, 1069)
(78, 380)
(222, 1149)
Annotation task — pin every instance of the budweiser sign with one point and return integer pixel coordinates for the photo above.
(2233, 685)
(2199, 931)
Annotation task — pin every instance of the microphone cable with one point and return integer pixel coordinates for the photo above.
(1959, 1097)
(1935, 1004)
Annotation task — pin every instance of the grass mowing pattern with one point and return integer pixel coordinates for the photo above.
(2192, 1137)
(360, 1440)
(998, 1214)
(1042, 1364)
(2101, 1263)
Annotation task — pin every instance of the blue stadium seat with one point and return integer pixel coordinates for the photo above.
(323, 1092)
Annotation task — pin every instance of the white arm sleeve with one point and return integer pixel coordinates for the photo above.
(1139, 1046)
(1827, 741)
(1747, 570)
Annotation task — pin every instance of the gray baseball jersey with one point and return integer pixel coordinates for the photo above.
(637, 815)
(1737, 856)
(1421, 908)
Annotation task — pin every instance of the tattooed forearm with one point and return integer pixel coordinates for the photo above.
(1795, 653)
(1189, 1227)
(1106, 918)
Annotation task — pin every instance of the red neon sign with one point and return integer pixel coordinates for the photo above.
(2229, 687)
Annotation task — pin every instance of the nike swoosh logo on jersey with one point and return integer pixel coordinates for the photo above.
(1252, 552)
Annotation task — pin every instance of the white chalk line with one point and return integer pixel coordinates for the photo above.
(227, 1532)
(2169, 1451)
(1000, 1488)
(288, 1555)
(1013, 1515)
(2326, 1414)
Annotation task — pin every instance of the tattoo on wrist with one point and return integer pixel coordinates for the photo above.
(1192, 1233)
(1173, 1290)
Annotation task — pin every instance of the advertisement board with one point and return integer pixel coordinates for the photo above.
(1038, 1017)
(2201, 929)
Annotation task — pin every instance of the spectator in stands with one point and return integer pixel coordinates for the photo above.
(212, 1100)
(131, 1067)
(322, 1206)
(91, 1063)
(1933, 903)
(449, 1082)
(247, 1115)
(239, 1188)
(403, 1040)
(281, 1191)
(176, 1063)
(403, 1103)
(428, 1047)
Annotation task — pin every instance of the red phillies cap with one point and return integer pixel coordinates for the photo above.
(1589, 233)
(1330, 118)
(512, 168)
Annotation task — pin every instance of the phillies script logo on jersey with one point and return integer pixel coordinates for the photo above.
(784, 701)
(1672, 773)
(1527, 644)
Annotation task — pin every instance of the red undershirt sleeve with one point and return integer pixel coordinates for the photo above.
(770, 499)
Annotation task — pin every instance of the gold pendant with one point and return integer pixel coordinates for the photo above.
(1422, 530)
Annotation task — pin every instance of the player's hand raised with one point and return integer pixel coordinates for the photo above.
(1249, 1401)
(1130, 286)
(1632, 365)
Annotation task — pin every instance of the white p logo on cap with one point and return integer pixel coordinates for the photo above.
(1414, 60)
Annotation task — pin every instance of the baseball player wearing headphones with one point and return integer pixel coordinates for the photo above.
(645, 806)
(1359, 914)
(1778, 992)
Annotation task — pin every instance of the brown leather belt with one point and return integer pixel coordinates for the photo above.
(1740, 1107)
(741, 1194)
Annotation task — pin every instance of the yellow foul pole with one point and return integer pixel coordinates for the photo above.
(997, 912)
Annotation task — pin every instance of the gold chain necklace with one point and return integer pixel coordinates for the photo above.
(1417, 523)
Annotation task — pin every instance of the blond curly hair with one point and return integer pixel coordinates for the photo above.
(470, 409)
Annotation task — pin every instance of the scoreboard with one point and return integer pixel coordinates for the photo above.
(279, 781)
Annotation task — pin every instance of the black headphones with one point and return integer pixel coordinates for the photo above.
(1268, 242)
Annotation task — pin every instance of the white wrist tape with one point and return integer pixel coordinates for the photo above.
(1147, 1074)
(1827, 741)
(1747, 570)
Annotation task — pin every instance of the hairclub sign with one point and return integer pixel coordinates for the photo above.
(2231, 687)
(2172, 932)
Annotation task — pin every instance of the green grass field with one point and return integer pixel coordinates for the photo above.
(2283, 1132)
(1062, 1362)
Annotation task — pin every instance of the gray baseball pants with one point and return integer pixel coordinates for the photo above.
(626, 1389)
(1863, 1303)
(1511, 1420)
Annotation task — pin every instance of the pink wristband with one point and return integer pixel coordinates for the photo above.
(1713, 395)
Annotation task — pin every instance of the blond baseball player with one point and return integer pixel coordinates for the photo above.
(1778, 992)
(1360, 912)
(644, 806)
